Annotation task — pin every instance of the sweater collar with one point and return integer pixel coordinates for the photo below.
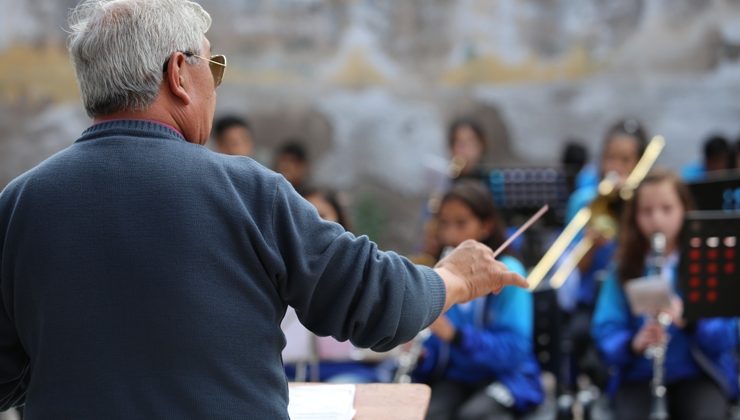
(136, 128)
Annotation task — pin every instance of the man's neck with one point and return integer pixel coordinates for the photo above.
(153, 114)
(139, 117)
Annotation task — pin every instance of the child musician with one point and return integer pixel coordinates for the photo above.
(699, 365)
(623, 145)
(479, 360)
(337, 362)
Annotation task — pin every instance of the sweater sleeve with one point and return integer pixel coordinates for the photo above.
(611, 329)
(13, 366)
(13, 359)
(344, 286)
(507, 339)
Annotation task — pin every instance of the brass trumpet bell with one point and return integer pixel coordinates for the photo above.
(601, 215)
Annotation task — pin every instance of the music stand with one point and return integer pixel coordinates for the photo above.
(519, 192)
(708, 270)
(719, 192)
(386, 401)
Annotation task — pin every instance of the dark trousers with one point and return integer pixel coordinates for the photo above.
(459, 401)
(581, 352)
(690, 399)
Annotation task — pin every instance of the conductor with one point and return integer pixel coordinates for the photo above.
(144, 276)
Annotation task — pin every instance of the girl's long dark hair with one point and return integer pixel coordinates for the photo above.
(633, 245)
(331, 197)
(478, 198)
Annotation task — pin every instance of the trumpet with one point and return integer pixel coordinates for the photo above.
(601, 215)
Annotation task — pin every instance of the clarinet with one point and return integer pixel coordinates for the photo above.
(658, 410)
(408, 359)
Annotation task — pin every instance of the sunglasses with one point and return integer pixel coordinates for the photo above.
(217, 64)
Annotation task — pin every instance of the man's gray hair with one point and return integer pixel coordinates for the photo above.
(118, 48)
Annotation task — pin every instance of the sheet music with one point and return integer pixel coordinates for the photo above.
(649, 295)
(330, 402)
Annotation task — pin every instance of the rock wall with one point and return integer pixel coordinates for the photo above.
(370, 85)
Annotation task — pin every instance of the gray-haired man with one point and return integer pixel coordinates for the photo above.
(144, 276)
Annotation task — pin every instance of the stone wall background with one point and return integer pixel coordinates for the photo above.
(370, 85)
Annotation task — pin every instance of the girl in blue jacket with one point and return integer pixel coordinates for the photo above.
(700, 369)
(479, 360)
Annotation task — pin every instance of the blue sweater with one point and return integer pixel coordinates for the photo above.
(496, 344)
(143, 276)
(706, 348)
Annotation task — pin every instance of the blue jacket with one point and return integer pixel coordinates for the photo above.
(496, 344)
(708, 347)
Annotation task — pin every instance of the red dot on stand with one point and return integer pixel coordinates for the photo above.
(694, 296)
(712, 282)
(729, 253)
(729, 268)
(695, 254)
(694, 282)
(712, 254)
(711, 296)
(712, 268)
(694, 269)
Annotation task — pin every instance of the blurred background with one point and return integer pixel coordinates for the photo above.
(370, 86)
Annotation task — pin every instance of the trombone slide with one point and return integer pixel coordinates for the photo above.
(562, 273)
(558, 247)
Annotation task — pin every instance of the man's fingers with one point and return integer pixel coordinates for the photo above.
(517, 280)
(508, 278)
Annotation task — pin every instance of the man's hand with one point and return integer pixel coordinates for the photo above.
(470, 271)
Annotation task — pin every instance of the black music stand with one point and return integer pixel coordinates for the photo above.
(522, 191)
(519, 192)
(709, 270)
(718, 192)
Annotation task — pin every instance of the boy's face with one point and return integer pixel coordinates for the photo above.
(718, 163)
(292, 168)
(236, 140)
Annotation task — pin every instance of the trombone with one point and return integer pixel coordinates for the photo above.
(600, 215)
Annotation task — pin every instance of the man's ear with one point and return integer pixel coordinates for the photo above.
(175, 79)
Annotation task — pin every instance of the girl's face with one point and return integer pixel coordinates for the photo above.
(467, 146)
(325, 209)
(458, 223)
(659, 209)
(620, 156)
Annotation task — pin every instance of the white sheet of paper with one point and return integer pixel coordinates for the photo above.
(649, 295)
(330, 402)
